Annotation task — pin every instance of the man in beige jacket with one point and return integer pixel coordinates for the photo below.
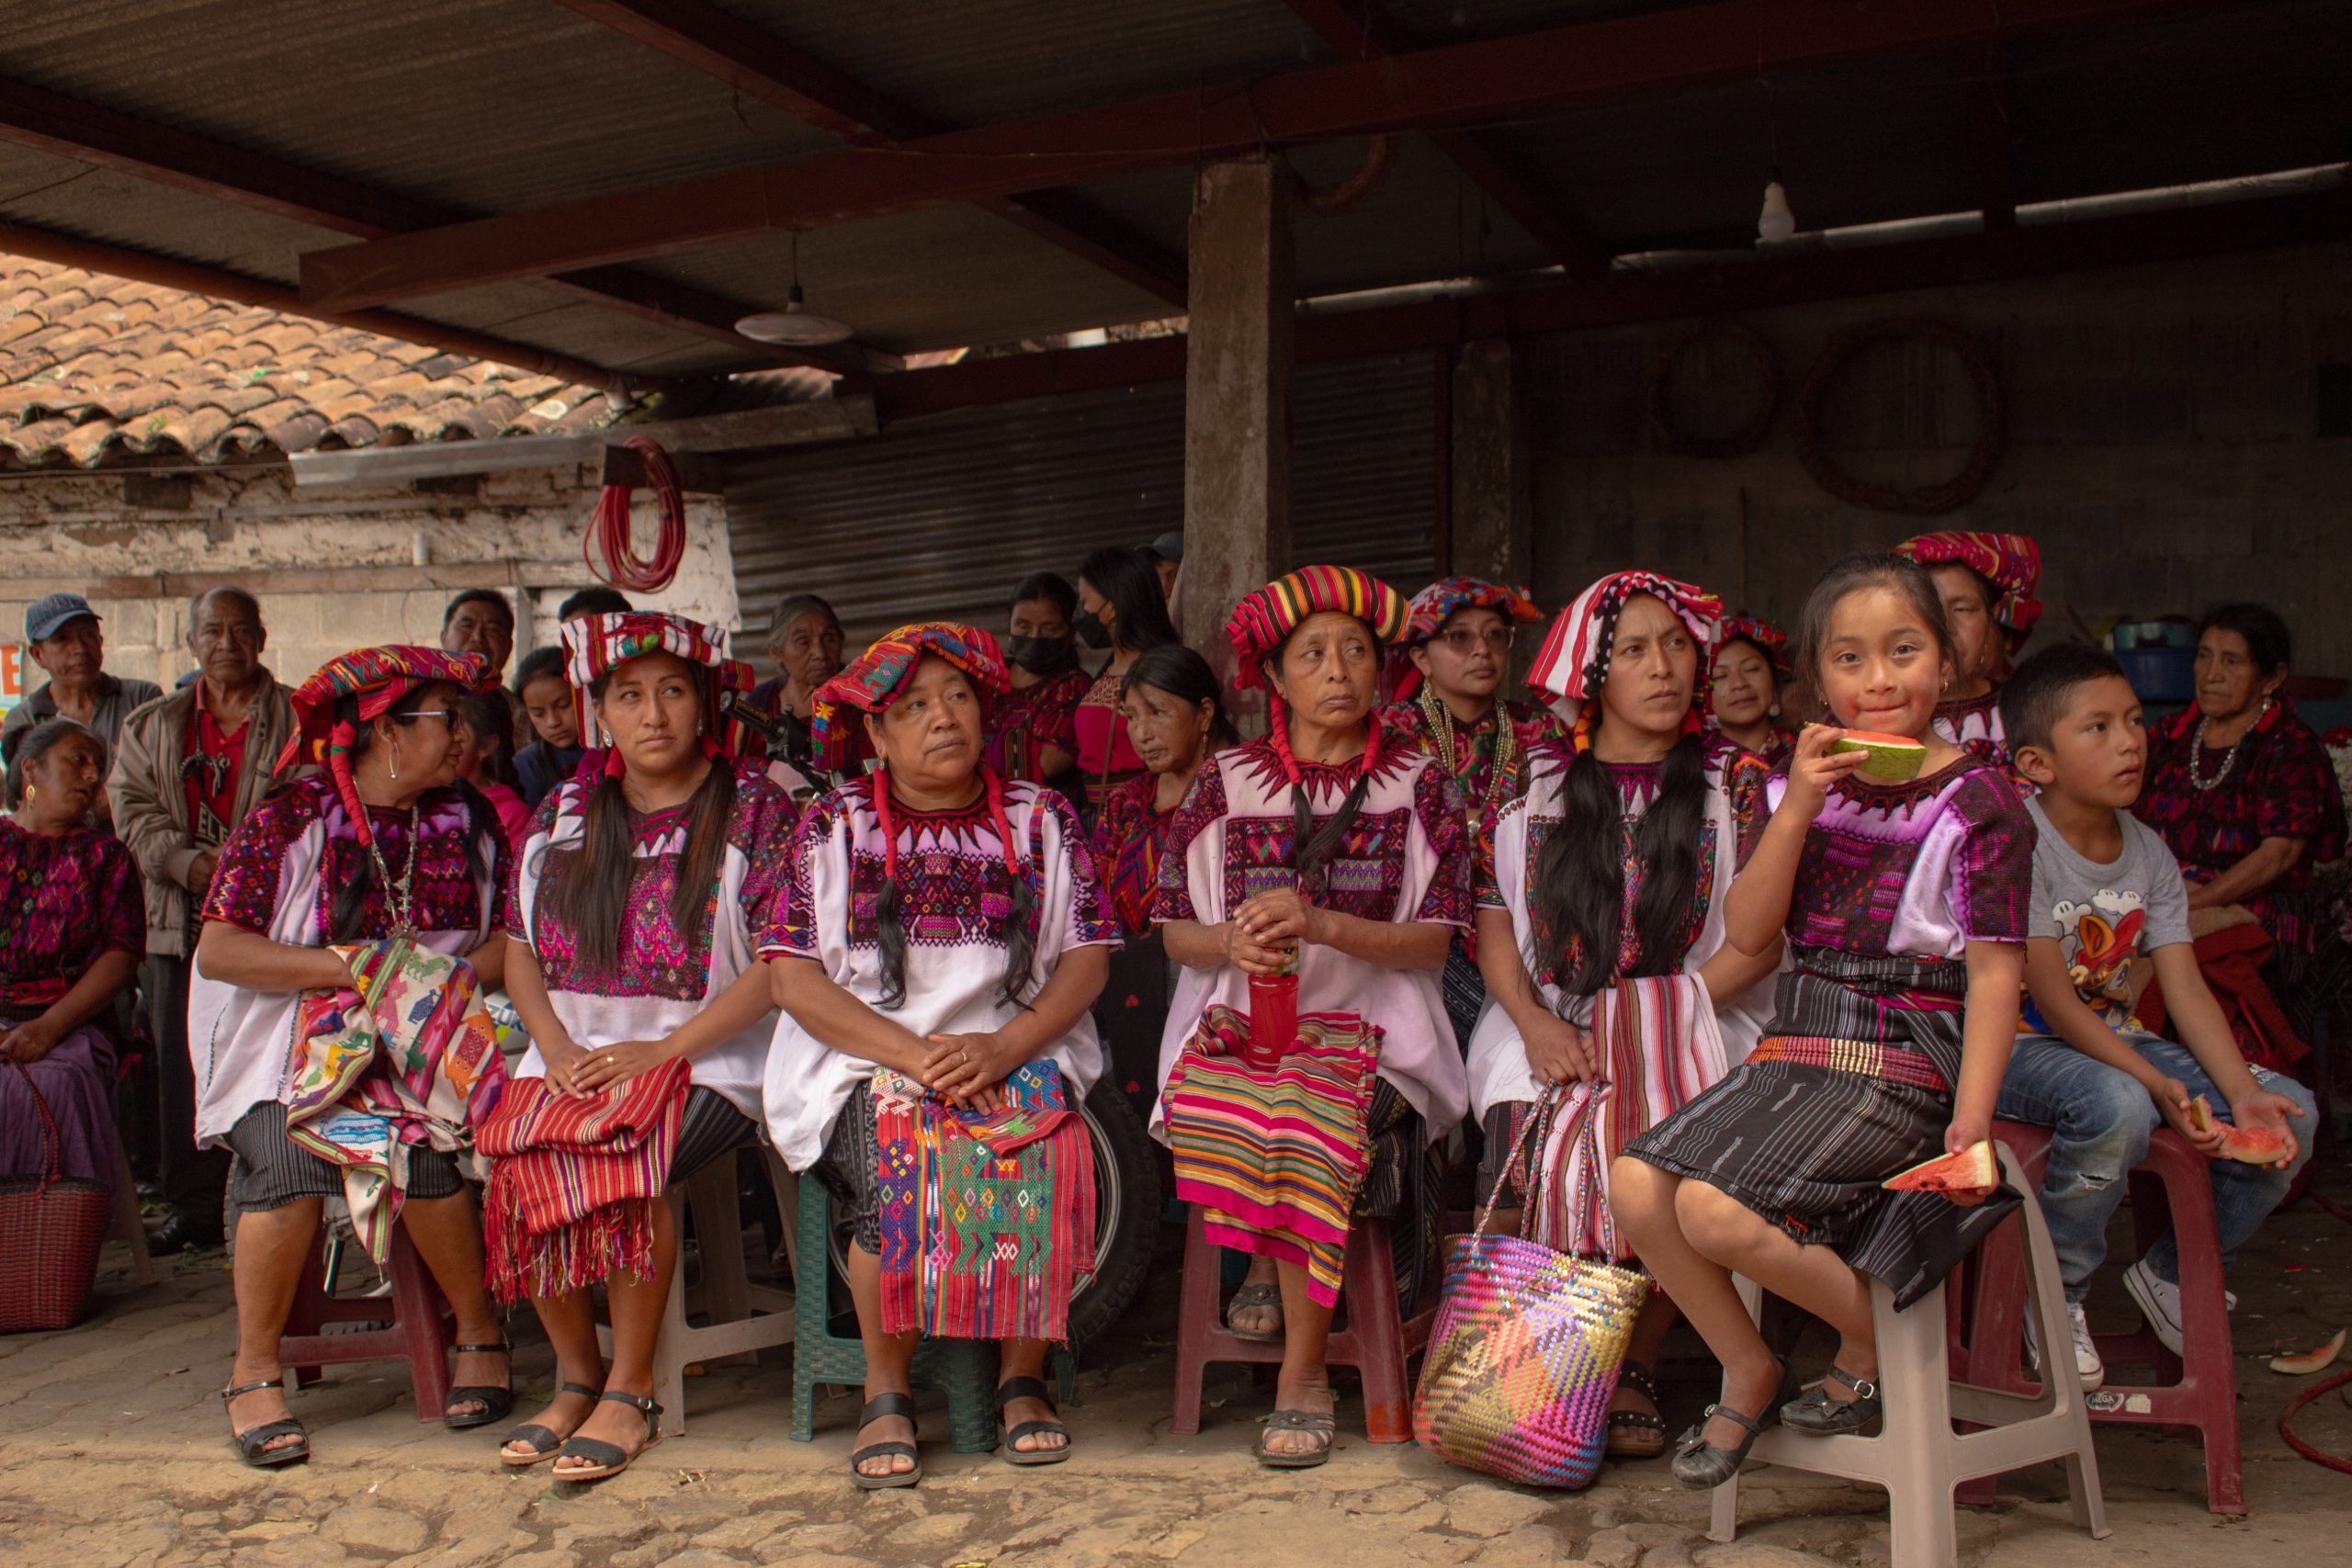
(188, 768)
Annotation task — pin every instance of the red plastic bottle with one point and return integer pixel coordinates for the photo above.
(1273, 1018)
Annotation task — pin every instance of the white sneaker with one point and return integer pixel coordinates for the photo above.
(2088, 1366)
(2158, 1303)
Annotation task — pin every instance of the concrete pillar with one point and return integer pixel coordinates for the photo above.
(1236, 393)
(1494, 497)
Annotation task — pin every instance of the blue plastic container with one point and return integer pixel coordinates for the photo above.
(2160, 674)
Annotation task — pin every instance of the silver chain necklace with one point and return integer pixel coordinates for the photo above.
(2196, 780)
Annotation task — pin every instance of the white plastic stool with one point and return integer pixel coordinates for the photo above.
(744, 1318)
(1918, 1457)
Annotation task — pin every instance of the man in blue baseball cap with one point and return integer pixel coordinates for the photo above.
(62, 634)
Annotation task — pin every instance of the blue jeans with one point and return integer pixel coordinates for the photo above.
(2100, 1120)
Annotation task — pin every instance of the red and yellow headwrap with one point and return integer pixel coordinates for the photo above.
(1574, 663)
(1265, 617)
(2010, 562)
(379, 678)
(875, 677)
(595, 646)
(1769, 640)
(1441, 602)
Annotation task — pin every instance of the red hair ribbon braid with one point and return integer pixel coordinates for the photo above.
(1003, 826)
(340, 740)
(884, 820)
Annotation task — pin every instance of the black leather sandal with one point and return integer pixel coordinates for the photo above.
(605, 1458)
(1637, 1434)
(1320, 1424)
(497, 1404)
(1030, 1388)
(253, 1443)
(545, 1444)
(1818, 1415)
(874, 1409)
(1701, 1466)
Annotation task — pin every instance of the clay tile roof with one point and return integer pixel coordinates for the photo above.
(98, 370)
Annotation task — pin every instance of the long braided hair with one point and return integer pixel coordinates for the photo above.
(1015, 919)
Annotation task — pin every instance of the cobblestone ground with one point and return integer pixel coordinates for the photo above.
(112, 1454)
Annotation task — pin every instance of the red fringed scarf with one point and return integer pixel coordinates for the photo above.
(571, 1198)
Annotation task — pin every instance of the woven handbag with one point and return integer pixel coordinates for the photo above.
(1525, 1352)
(55, 1226)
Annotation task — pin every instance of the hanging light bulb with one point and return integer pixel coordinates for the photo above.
(795, 326)
(1776, 222)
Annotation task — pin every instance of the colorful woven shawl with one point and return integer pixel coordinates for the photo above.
(988, 1220)
(2010, 562)
(1763, 635)
(1275, 1158)
(408, 1057)
(575, 1178)
(1262, 618)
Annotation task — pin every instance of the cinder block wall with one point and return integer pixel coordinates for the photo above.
(79, 531)
(2163, 445)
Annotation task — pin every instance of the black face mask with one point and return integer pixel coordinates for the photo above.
(1041, 655)
(1091, 630)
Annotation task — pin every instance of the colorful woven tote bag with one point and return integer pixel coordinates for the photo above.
(54, 1225)
(1525, 1349)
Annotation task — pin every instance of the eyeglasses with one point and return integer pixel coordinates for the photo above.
(1465, 640)
(449, 713)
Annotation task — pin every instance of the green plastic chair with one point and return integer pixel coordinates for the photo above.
(963, 1370)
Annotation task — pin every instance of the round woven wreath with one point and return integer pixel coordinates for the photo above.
(1923, 501)
(1737, 443)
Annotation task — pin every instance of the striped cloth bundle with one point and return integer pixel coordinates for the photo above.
(571, 1194)
(987, 1219)
(1275, 1156)
(1655, 1039)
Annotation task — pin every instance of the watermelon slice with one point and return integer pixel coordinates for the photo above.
(2310, 1361)
(1971, 1170)
(2247, 1146)
(1894, 757)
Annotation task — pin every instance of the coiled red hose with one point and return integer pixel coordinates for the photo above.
(609, 537)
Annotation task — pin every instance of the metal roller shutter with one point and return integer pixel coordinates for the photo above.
(939, 518)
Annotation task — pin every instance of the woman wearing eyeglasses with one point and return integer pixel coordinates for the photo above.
(1454, 659)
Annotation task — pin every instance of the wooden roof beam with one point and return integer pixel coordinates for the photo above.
(1353, 29)
(1450, 88)
(760, 65)
(91, 133)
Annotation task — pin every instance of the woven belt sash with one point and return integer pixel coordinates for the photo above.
(1871, 1060)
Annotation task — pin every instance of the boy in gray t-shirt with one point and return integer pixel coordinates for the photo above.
(2105, 891)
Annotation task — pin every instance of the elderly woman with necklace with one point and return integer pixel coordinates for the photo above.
(1323, 854)
(635, 910)
(383, 859)
(940, 943)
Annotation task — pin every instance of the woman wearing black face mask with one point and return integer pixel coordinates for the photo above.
(1035, 734)
(1120, 608)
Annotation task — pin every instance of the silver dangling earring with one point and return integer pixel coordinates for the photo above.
(1772, 712)
(393, 757)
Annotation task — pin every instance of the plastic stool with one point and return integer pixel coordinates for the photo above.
(1375, 1342)
(963, 1370)
(125, 1225)
(420, 1332)
(1918, 1457)
(744, 1318)
(2173, 1183)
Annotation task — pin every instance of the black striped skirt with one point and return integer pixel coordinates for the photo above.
(1804, 1132)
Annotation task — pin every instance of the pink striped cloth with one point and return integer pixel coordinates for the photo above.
(1656, 1040)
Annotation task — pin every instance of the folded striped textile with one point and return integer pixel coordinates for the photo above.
(1275, 1157)
(1657, 1046)
(407, 1058)
(987, 1219)
(574, 1181)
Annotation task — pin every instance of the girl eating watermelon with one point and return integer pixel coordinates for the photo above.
(1902, 892)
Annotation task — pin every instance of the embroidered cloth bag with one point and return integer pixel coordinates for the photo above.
(1525, 1352)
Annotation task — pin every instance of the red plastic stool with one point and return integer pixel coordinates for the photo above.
(2173, 1184)
(420, 1333)
(1375, 1342)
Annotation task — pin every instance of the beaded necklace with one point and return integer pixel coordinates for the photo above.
(2197, 778)
(1440, 720)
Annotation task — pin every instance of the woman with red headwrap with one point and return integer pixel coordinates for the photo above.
(1986, 583)
(1600, 929)
(1323, 853)
(383, 853)
(634, 910)
(1749, 667)
(939, 945)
